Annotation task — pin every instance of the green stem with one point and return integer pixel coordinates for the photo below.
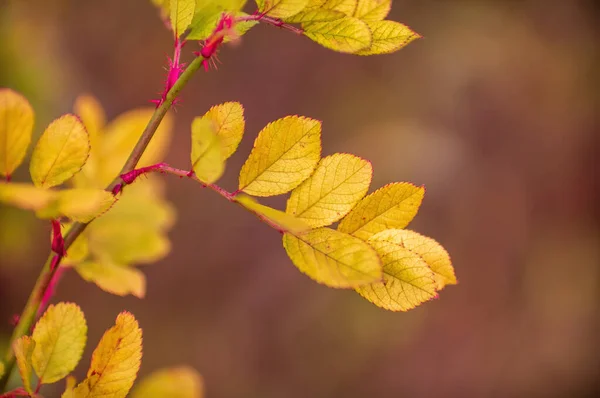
(46, 276)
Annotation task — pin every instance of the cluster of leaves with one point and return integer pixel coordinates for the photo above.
(55, 348)
(87, 153)
(369, 251)
(349, 26)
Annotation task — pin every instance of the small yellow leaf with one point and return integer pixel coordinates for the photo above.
(407, 280)
(282, 221)
(71, 381)
(347, 35)
(388, 36)
(228, 122)
(23, 348)
(116, 279)
(285, 153)
(338, 183)
(83, 205)
(88, 108)
(436, 257)
(208, 160)
(333, 258)
(59, 337)
(372, 10)
(60, 153)
(315, 15)
(26, 196)
(16, 126)
(281, 8)
(177, 382)
(115, 361)
(182, 12)
(345, 6)
(392, 206)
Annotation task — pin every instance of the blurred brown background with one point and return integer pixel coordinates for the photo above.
(494, 111)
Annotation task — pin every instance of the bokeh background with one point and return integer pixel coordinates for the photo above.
(495, 111)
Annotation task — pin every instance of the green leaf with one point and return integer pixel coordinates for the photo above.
(333, 258)
(407, 280)
(26, 196)
(23, 348)
(59, 337)
(372, 10)
(430, 251)
(337, 184)
(388, 36)
(179, 382)
(315, 15)
(347, 35)
(208, 160)
(182, 13)
(60, 153)
(285, 153)
(116, 279)
(240, 28)
(208, 13)
(16, 126)
(392, 206)
(115, 361)
(282, 221)
(281, 8)
(228, 123)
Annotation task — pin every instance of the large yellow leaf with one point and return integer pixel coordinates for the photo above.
(345, 6)
(436, 257)
(177, 382)
(113, 278)
(16, 125)
(115, 361)
(208, 160)
(121, 136)
(60, 153)
(82, 204)
(347, 35)
(181, 12)
(388, 36)
(333, 258)
(372, 10)
(282, 221)
(392, 206)
(281, 8)
(315, 15)
(26, 196)
(407, 280)
(59, 337)
(228, 122)
(23, 348)
(285, 153)
(338, 183)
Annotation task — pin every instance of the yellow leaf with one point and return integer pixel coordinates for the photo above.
(70, 387)
(228, 122)
(285, 153)
(1, 368)
(407, 280)
(59, 337)
(338, 183)
(208, 160)
(281, 8)
(177, 382)
(23, 348)
(60, 153)
(333, 258)
(436, 257)
(182, 12)
(123, 133)
(392, 206)
(16, 125)
(26, 196)
(372, 10)
(115, 361)
(112, 278)
(315, 15)
(280, 220)
(388, 36)
(347, 35)
(88, 108)
(82, 204)
(345, 6)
